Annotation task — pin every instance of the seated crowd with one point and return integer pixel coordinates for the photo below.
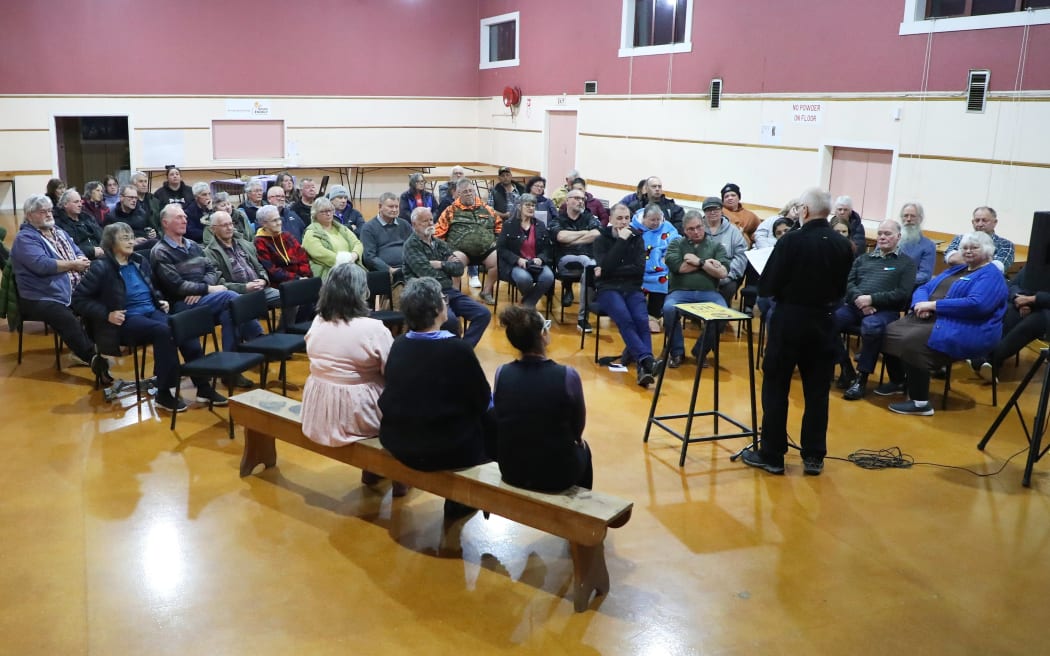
(104, 272)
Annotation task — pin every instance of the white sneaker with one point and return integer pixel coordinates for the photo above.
(475, 282)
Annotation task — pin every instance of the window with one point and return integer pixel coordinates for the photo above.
(656, 27)
(499, 41)
(953, 8)
(925, 16)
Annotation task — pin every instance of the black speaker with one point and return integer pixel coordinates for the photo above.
(1037, 269)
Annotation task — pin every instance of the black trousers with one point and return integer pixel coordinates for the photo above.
(64, 322)
(1017, 333)
(802, 337)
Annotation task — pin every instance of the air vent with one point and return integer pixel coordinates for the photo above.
(716, 93)
(977, 91)
(590, 87)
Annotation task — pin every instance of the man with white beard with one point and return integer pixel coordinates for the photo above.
(913, 244)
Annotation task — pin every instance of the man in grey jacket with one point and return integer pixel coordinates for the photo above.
(238, 265)
(721, 230)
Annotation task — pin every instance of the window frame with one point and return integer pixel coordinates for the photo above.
(486, 23)
(915, 21)
(627, 49)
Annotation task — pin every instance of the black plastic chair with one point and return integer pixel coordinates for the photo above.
(295, 293)
(379, 287)
(275, 347)
(27, 316)
(194, 324)
(568, 275)
(587, 291)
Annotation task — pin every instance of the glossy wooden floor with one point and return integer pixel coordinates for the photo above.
(121, 537)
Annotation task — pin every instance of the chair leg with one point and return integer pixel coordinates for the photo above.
(284, 378)
(947, 385)
(597, 335)
(135, 356)
(19, 343)
(58, 352)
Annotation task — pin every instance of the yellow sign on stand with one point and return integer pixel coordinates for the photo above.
(710, 311)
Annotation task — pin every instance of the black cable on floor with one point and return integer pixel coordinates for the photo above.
(894, 458)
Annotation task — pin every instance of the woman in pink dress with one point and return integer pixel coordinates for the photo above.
(348, 352)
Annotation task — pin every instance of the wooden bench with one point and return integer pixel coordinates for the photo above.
(580, 516)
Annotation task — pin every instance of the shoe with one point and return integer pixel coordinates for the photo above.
(846, 378)
(655, 367)
(368, 478)
(583, 326)
(889, 389)
(675, 360)
(812, 466)
(909, 408)
(940, 373)
(754, 459)
(975, 364)
(208, 395)
(986, 373)
(243, 382)
(169, 402)
(76, 361)
(856, 391)
(455, 510)
(487, 298)
(566, 297)
(399, 489)
(475, 282)
(645, 377)
(100, 367)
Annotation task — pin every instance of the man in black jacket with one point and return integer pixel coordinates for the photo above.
(806, 276)
(654, 193)
(81, 226)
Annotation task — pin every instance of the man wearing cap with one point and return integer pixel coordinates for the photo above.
(344, 209)
(505, 194)
(735, 211)
(721, 230)
(654, 193)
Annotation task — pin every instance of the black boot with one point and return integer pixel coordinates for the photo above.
(645, 372)
(858, 389)
(846, 377)
(566, 296)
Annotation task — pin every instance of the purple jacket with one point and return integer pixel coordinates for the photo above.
(35, 264)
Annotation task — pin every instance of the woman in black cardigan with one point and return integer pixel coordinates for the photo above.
(524, 251)
(436, 397)
(620, 255)
(540, 412)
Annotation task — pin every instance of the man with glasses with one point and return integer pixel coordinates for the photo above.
(130, 211)
(149, 203)
(236, 260)
(291, 222)
(48, 265)
(574, 232)
(425, 256)
(471, 228)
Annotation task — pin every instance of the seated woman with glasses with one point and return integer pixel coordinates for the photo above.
(524, 251)
(435, 402)
(539, 411)
(329, 242)
(117, 296)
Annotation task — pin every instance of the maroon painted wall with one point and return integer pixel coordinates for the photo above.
(848, 47)
(430, 48)
(232, 47)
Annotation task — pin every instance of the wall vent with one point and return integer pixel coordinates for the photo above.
(716, 93)
(590, 87)
(977, 91)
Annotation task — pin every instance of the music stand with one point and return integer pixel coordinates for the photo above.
(1035, 436)
(705, 312)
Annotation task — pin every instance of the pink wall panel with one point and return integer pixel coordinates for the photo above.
(758, 47)
(252, 47)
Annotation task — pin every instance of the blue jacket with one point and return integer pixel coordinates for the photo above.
(36, 266)
(656, 242)
(969, 319)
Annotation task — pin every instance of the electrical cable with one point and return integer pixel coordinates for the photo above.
(894, 458)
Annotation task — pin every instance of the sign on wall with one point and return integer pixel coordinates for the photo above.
(246, 108)
(807, 113)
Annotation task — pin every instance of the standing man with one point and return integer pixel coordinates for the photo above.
(914, 244)
(984, 220)
(806, 276)
(735, 211)
(384, 236)
(426, 256)
(697, 264)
